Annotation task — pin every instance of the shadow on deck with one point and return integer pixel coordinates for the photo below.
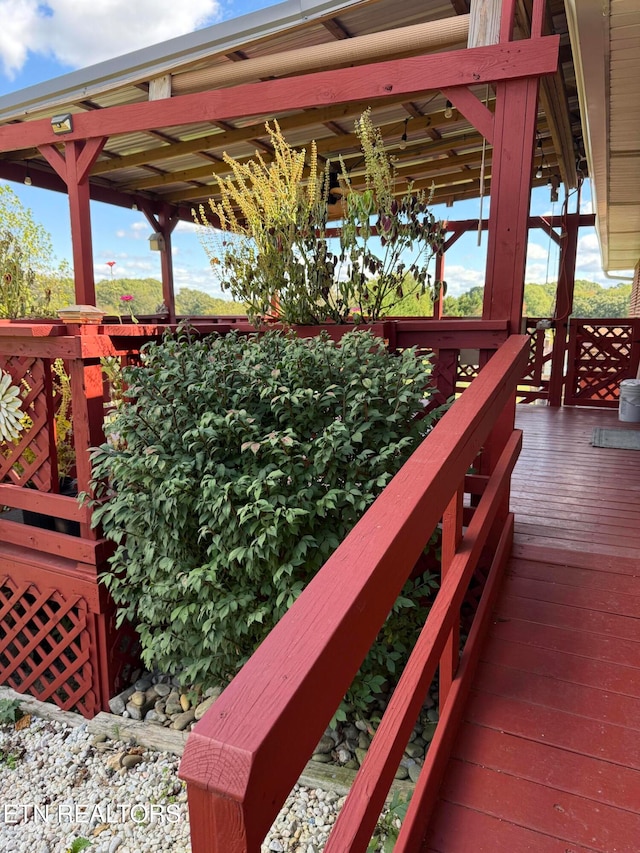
(548, 753)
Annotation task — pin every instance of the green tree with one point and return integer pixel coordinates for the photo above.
(414, 303)
(146, 292)
(593, 300)
(468, 304)
(192, 302)
(539, 300)
(25, 252)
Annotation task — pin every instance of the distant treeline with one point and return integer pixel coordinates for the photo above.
(590, 299)
(147, 297)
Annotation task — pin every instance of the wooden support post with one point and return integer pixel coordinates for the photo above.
(564, 305)
(164, 223)
(88, 414)
(74, 167)
(447, 372)
(451, 538)
(515, 119)
(438, 302)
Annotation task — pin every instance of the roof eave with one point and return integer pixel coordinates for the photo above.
(143, 65)
(589, 34)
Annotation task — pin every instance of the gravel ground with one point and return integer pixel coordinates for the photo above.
(59, 783)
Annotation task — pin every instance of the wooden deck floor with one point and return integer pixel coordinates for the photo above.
(548, 755)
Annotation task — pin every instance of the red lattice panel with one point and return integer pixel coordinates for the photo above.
(46, 646)
(534, 385)
(466, 374)
(32, 459)
(600, 357)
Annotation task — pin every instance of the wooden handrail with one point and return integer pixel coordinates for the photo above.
(237, 774)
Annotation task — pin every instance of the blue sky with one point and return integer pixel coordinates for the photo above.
(41, 40)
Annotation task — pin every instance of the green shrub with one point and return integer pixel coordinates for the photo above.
(234, 470)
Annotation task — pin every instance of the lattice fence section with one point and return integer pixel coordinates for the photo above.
(534, 385)
(32, 459)
(46, 645)
(600, 357)
(468, 369)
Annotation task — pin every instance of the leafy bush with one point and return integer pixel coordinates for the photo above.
(232, 473)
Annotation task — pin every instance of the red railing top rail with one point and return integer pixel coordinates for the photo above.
(236, 749)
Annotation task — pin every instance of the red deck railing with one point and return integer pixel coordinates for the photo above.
(237, 774)
(58, 639)
(48, 579)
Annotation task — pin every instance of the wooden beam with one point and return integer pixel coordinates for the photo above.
(409, 76)
(336, 112)
(473, 110)
(564, 305)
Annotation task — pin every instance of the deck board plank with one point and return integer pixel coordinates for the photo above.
(538, 807)
(548, 754)
(561, 769)
(604, 601)
(613, 650)
(576, 669)
(572, 576)
(459, 830)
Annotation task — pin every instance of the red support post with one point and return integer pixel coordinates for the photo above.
(167, 222)
(515, 120)
(564, 305)
(73, 167)
(164, 223)
(438, 303)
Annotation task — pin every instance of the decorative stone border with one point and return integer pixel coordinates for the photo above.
(329, 777)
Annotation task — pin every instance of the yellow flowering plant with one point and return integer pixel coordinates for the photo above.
(272, 251)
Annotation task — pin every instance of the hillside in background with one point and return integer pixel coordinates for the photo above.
(147, 297)
(590, 300)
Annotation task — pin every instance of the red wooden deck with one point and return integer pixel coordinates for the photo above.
(548, 754)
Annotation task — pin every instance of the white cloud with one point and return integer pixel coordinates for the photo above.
(536, 251)
(78, 34)
(187, 227)
(460, 279)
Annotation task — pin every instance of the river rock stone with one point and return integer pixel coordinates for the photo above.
(181, 721)
(204, 706)
(414, 772)
(361, 755)
(414, 751)
(154, 716)
(162, 689)
(343, 755)
(119, 702)
(429, 731)
(133, 711)
(173, 705)
(131, 760)
(325, 744)
(185, 702)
